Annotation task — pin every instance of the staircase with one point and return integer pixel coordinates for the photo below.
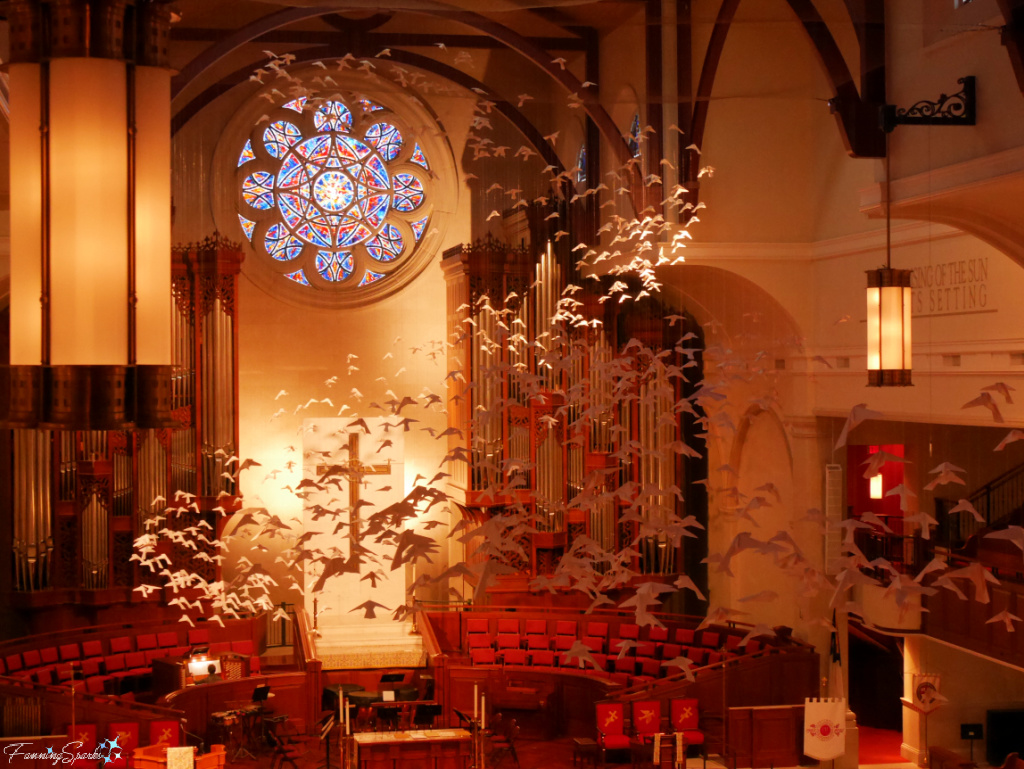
(997, 502)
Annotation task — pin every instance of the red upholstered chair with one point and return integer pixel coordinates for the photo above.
(3, 668)
(153, 654)
(113, 663)
(508, 626)
(49, 655)
(709, 639)
(69, 652)
(13, 662)
(752, 647)
(629, 631)
(537, 642)
(594, 643)
(508, 641)
(565, 627)
(646, 719)
(611, 727)
(698, 655)
(91, 649)
(671, 651)
(477, 625)
(714, 657)
(92, 667)
(543, 658)
(685, 716)
(121, 645)
(135, 663)
(513, 657)
(616, 645)
(536, 627)
(198, 635)
(483, 656)
(564, 642)
(478, 641)
(167, 640)
(684, 636)
(732, 643)
(625, 665)
(650, 670)
(95, 684)
(145, 641)
(32, 658)
(658, 634)
(596, 630)
(645, 649)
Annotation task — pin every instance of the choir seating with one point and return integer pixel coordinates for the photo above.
(646, 719)
(611, 728)
(685, 716)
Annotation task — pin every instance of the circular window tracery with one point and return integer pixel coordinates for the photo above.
(335, 191)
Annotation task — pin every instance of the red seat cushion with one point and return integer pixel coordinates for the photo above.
(536, 642)
(477, 625)
(49, 655)
(599, 629)
(31, 658)
(13, 662)
(482, 656)
(671, 651)
(658, 634)
(92, 667)
(514, 657)
(614, 741)
(508, 640)
(69, 652)
(167, 639)
(684, 636)
(120, 645)
(709, 639)
(145, 641)
(564, 642)
(629, 631)
(543, 657)
(536, 627)
(478, 641)
(645, 649)
(94, 685)
(114, 663)
(508, 626)
(198, 635)
(565, 627)
(135, 660)
(92, 648)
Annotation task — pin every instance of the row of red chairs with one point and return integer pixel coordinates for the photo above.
(61, 664)
(534, 635)
(646, 721)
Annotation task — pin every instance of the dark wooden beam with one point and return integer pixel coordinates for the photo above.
(1012, 36)
(859, 121)
(651, 147)
(319, 53)
(385, 39)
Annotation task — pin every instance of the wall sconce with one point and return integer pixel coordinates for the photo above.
(875, 489)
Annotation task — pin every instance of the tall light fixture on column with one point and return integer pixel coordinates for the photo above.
(889, 292)
(90, 223)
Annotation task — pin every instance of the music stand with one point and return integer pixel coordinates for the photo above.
(259, 698)
(260, 694)
(426, 715)
(463, 718)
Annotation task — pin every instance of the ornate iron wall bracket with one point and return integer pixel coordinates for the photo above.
(957, 109)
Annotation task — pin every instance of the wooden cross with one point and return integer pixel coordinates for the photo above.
(353, 471)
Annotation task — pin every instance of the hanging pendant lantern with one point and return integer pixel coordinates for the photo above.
(889, 324)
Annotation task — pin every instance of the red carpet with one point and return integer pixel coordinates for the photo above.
(880, 746)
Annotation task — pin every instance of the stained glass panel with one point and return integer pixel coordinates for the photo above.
(247, 153)
(408, 192)
(279, 136)
(332, 116)
(369, 277)
(369, 106)
(418, 226)
(257, 190)
(334, 266)
(247, 226)
(281, 244)
(299, 277)
(386, 245)
(418, 157)
(386, 138)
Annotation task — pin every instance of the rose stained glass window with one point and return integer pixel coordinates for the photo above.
(334, 191)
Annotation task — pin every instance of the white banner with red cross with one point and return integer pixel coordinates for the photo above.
(824, 728)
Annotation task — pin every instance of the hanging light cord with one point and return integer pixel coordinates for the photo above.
(888, 206)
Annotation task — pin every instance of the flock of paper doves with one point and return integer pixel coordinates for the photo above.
(632, 248)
